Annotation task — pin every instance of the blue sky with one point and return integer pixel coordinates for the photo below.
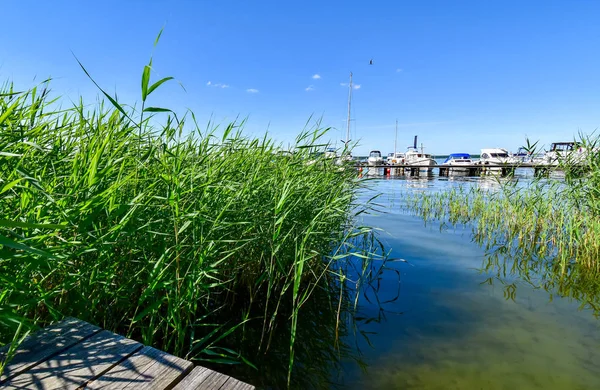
(462, 75)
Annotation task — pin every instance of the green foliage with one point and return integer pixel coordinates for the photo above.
(183, 239)
(547, 232)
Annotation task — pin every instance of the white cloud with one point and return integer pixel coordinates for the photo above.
(316, 76)
(216, 85)
(309, 88)
(399, 70)
(252, 90)
(356, 86)
(343, 84)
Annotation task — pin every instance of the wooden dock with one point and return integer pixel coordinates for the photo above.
(469, 169)
(73, 354)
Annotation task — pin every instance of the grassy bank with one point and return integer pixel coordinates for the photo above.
(200, 242)
(547, 232)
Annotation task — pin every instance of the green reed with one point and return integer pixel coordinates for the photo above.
(547, 232)
(196, 241)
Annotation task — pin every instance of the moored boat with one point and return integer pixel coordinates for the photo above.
(458, 163)
(414, 156)
(495, 158)
(395, 158)
(564, 152)
(375, 158)
(523, 155)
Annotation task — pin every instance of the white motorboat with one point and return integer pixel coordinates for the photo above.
(565, 152)
(458, 163)
(375, 158)
(495, 158)
(389, 158)
(414, 156)
(395, 158)
(522, 155)
(345, 158)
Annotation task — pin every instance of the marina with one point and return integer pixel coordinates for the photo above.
(201, 195)
(472, 169)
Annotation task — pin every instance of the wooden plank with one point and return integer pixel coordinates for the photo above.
(205, 379)
(148, 368)
(77, 365)
(234, 384)
(45, 343)
(194, 379)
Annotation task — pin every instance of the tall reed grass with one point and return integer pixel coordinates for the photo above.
(198, 241)
(547, 231)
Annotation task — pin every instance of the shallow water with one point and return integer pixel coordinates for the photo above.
(454, 326)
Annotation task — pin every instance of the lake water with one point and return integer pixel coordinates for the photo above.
(450, 328)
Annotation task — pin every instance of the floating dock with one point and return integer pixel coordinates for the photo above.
(463, 170)
(74, 354)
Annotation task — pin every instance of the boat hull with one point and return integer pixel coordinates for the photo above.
(424, 165)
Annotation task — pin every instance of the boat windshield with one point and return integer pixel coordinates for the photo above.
(460, 157)
(505, 155)
(562, 146)
(375, 153)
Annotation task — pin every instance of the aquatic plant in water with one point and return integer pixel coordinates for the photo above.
(547, 232)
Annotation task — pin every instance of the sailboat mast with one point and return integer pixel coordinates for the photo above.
(396, 138)
(349, 103)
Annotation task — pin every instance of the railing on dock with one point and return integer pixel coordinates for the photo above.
(73, 354)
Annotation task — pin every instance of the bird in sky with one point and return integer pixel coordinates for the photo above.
(371, 62)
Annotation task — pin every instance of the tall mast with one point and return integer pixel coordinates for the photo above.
(349, 103)
(396, 138)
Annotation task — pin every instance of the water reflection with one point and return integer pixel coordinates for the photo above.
(508, 261)
(476, 312)
(329, 323)
(319, 345)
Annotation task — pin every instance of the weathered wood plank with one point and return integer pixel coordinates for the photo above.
(148, 368)
(234, 384)
(194, 379)
(77, 365)
(44, 344)
(205, 379)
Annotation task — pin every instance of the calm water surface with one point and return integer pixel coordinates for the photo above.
(450, 328)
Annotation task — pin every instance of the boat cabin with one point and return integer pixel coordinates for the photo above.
(461, 157)
(494, 153)
(564, 146)
(413, 152)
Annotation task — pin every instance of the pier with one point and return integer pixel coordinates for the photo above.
(463, 170)
(74, 354)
